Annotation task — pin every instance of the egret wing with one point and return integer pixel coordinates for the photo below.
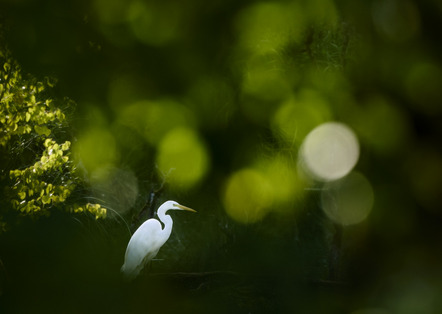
(143, 246)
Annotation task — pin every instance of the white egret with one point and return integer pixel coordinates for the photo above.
(148, 239)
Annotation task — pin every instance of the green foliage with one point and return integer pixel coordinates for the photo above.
(38, 168)
(21, 111)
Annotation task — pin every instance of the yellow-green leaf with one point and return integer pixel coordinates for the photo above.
(65, 145)
(42, 130)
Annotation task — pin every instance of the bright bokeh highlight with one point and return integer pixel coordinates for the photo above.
(271, 185)
(96, 148)
(266, 26)
(299, 114)
(349, 200)
(285, 186)
(329, 152)
(247, 196)
(182, 158)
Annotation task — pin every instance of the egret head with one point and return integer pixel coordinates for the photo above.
(172, 205)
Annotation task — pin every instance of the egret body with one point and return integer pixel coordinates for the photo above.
(148, 239)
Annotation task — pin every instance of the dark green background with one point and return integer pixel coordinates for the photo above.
(294, 262)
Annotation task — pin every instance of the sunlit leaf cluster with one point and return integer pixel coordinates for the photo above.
(38, 166)
(23, 110)
(32, 194)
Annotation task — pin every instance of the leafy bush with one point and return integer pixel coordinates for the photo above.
(37, 170)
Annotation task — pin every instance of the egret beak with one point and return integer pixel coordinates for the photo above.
(185, 208)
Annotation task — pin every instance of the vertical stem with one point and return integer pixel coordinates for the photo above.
(149, 207)
(336, 253)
